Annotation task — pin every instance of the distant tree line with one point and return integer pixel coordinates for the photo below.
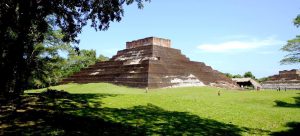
(246, 74)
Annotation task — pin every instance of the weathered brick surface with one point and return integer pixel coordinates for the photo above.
(284, 80)
(149, 41)
(152, 66)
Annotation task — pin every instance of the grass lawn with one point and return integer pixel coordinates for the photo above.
(105, 109)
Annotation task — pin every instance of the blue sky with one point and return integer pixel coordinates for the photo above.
(232, 36)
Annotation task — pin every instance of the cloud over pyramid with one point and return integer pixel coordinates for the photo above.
(152, 63)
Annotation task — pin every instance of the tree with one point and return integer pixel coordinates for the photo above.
(25, 23)
(50, 67)
(76, 62)
(46, 66)
(293, 47)
(103, 58)
(237, 76)
(228, 75)
(249, 74)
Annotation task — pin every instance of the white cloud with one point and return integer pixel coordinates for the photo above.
(239, 45)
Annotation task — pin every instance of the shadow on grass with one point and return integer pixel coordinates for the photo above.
(294, 130)
(60, 113)
(285, 104)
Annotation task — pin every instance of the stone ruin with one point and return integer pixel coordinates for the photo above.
(151, 63)
(284, 80)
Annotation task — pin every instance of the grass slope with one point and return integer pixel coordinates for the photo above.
(172, 111)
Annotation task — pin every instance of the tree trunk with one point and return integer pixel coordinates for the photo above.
(13, 68)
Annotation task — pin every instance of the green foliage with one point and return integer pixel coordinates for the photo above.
(75, 62)
(249, 74)
(50, 67)
(265, 112)
(246, 74)
(292, 47)
(103, 58)
(26, 23)
(261, 80)
(47, 63)
(228, 75)
(232, 76)
(297, 21)
(237, 76)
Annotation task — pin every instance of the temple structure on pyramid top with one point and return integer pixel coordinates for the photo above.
(151, 63)
(149, 41)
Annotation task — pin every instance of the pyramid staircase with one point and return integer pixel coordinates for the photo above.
(152, 66)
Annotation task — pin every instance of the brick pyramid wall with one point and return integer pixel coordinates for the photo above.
(287, 79)
(151, 66)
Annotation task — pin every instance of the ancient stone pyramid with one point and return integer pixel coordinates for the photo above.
(152, 63)
(286, 79)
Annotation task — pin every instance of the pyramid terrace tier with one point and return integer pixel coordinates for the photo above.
(283, 85)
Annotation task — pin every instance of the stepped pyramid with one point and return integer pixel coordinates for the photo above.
(152, 63)
(286, 79)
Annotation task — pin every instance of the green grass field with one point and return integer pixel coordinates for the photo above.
(91, 109)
